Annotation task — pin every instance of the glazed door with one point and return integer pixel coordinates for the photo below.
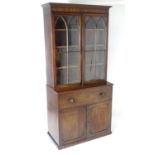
(73, 124)
(67, 49)
(95, 48)
(98, 118)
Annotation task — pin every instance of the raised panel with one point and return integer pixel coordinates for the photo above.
(97, 118)
(73, 124)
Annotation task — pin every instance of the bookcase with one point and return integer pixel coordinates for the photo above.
(79, 97)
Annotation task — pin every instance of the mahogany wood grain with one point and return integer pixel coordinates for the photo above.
(53, 114)
(85, 96)
(72, 124)
(98, 117)
(82, 111)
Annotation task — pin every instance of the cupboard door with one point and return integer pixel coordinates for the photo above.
(98, 118)
(73, 124)
(68, 52)
(95, 34)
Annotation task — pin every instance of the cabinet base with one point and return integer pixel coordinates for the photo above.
(80, 141)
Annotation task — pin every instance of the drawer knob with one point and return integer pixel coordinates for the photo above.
(71, 100)
(102, 94)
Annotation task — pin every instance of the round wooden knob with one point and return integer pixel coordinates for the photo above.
(72, 100)
(102, 94)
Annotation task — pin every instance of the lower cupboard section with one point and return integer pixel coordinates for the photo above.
(81, 123)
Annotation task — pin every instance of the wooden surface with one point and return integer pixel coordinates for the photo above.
(86, 117)
(97, 118)
(77, 8)
(72, 124)
(76, 112)
(53, 114)
(84, 96)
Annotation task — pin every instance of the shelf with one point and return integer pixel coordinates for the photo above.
(65, 29)
(64, 46)
(78, 29)
(95, 45)
(69, 67)
(94, 29)
(95, 50)
(99, 64)
(72, 66)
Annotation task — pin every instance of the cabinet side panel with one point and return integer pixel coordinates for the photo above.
(48, 46)
(53, 118)
(110, 112)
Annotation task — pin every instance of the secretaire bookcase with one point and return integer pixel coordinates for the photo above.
(79, 98)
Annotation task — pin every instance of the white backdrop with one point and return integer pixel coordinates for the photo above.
(131, 66)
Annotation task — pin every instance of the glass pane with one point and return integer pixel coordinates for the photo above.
(90, 72)
(99, 37)
(73, 58)
(100, 57)
(99, 72)
(61, 40)
(95, 48)
(67, 30)
(73, 38)
(61, 73)
(61, 57)
(90, 41)
(74, 75)
(90, 59)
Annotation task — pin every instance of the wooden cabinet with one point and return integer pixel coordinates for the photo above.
(78, 94)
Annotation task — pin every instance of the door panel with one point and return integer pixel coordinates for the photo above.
(68, 49)
(97, 117)
(73, 124)
(95, 33)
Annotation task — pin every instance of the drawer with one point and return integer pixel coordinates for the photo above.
(84, 96)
